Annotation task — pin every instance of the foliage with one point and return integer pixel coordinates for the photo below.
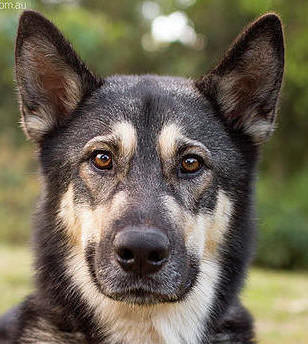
(283, 213)
(115, 37)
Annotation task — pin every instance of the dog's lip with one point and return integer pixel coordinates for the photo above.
(140, 295)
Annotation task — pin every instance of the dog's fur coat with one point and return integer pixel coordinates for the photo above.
(151, 127)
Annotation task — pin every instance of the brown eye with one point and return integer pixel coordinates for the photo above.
(102, 160)
(190, 164)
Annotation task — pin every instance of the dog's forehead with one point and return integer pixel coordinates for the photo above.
(146, 85)
(149, 103)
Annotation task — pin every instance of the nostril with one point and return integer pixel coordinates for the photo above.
(126, 255)
(157, 257)
(154, 257)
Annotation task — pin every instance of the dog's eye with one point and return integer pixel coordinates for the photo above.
(102, 160)
(190, 164)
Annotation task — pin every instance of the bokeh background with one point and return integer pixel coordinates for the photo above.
(184, 38)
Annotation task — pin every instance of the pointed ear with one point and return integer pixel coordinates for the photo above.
(51, 79)
(245, 86)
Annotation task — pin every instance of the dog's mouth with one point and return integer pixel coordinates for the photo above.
(170, 284)
(141, 297)
(130, 289)
(139, 290)
(147, 291)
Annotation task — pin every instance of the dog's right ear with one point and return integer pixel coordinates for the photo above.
(51, 79)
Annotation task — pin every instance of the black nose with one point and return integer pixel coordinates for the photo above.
(141, 250)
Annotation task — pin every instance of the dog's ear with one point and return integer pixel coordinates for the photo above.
(51, 79)
(245, 86)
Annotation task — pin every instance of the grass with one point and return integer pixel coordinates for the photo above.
(279, 303)
(278, 300)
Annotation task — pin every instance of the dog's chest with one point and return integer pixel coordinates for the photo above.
(150, 331)
(166, 324)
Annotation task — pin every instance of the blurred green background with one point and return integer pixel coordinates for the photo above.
(184, 38)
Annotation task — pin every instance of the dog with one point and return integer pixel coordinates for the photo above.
(145, 227)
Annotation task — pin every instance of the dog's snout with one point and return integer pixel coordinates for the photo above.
(141, 250)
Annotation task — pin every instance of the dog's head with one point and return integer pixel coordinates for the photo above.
(147, 180)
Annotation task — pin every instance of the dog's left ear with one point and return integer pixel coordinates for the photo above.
(245, 86)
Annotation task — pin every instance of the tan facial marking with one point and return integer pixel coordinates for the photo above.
(202, 233)
(173, 208)
(122, 133)
(167, 139)
(68, 218)
(124, 136)
(218, 226)
(94, 222)
(160, 324)
(82, 223)
(171, 138)
(193, 226)
(127, 135)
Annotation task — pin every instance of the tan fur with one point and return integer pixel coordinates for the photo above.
(101, 192)
(175, 323)
(125, 138)
(123, 134)
(163, 323)
(167, 140)
(193, 227)
(126, 133)
(204, 233)
(84, 224)
(81, 221)
(171, 138)
(172, 323)
(218, 226)
(68, 217)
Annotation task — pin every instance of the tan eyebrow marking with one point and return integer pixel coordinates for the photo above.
(122, 133)
(128, 136)
(171, 136)
(167, 139)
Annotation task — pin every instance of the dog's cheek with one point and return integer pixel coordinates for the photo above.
(68, 220)
(83, 223)
(79, 222)
(217, 226)
(85, 228)
(204, 233)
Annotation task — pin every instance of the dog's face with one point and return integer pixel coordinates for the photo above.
(147, 178)
(143, 185)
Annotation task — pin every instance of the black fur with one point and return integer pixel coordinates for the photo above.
(208, 111)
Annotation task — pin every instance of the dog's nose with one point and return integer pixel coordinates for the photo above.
(141, 250)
